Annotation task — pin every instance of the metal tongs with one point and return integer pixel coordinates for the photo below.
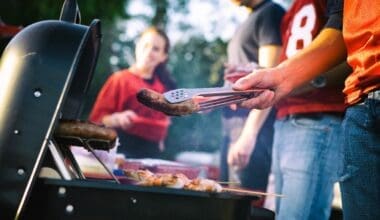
(223, 96)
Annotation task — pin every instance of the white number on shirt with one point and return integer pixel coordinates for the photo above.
(301, 30)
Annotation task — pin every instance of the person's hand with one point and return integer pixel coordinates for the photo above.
(271, 79)
(233, 72)
(240, 153)
(123, 120)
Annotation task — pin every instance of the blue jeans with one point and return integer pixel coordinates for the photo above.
(305, 162)
(360, 180)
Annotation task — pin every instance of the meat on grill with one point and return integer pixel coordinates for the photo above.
(86, 130)
(178, 181)
(155, 100)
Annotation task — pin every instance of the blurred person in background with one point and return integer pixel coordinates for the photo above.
(256, 43)
(351, 34)
(141, 130)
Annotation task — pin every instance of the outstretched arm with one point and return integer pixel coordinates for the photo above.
(326, 51)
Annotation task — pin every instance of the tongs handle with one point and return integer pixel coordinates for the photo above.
(180, 95)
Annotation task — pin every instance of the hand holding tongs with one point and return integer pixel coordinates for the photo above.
(227, 96)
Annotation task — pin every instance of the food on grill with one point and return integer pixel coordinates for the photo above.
(165, 179)
(178, 181)
(147, 178)
(138, 175)
(86, 130)
(205, 185)
(157, 101)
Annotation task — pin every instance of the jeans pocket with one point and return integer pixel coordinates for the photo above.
(309, 121)
(348, 172)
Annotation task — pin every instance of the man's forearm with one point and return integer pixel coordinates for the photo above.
(254, 122)
(326, 51)
(335, 77)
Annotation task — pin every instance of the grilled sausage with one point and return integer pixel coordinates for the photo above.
(157, 101)
(86, 130)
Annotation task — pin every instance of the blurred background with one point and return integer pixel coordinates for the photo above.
(198, 29)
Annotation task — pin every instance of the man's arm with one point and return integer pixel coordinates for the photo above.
(269, 56)
(333, 78)
(326, 51)
(241, 151)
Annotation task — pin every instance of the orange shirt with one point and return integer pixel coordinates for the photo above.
(362, 38)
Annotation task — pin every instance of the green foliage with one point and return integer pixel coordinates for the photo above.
(161, 15)
(197, 62)
(25, 12)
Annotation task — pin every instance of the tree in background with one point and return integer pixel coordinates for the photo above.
(24, 12)
(194, 61)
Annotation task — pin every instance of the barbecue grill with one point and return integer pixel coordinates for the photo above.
(46, 70)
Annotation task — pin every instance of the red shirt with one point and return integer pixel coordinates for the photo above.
(300, 25)
(119, 94)
(8, 30)
(362, 38)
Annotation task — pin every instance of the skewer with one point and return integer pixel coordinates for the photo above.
(251, 192)
(225, 189)
(227, 182)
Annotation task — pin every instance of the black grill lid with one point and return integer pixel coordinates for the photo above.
(44, 73)
(85, 63)
(83, 68)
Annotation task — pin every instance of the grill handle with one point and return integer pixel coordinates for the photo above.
(70, 12)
